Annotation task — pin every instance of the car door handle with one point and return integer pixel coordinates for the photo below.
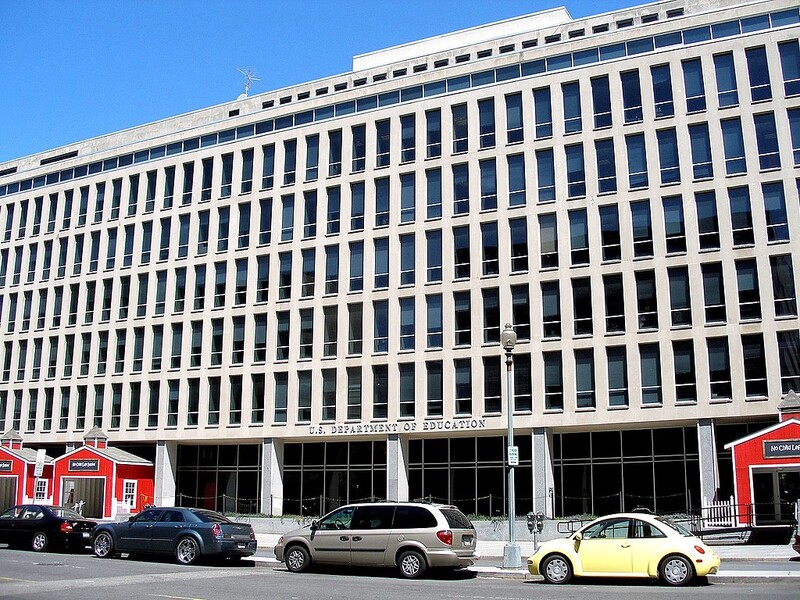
(344, 538)
(357, 538)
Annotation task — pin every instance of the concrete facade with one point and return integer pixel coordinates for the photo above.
(320, 272)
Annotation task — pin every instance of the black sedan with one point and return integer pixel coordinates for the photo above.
(186, 533)
(39, 527)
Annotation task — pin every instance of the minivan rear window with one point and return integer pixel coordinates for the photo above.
(456, 519)
(413, 517)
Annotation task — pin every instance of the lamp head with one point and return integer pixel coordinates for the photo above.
(508, 338)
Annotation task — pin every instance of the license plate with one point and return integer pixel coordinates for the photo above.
(86, 534)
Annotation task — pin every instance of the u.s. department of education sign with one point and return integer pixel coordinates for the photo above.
(781, 448)
(397, 427)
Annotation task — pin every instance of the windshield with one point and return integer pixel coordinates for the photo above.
(65, 513)
(676, 526)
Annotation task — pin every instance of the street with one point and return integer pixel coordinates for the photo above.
(26, 575)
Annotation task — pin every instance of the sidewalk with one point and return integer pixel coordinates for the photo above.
(490, 563)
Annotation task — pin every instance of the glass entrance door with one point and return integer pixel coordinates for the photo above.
(789, 491)
(774, 495)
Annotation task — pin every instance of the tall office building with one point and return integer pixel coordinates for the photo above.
(296, 299)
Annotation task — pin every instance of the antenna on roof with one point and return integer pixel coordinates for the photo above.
(249, 78)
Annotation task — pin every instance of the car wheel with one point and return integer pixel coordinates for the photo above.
(676, 570)
(39, 541)
(187, 552)
(297, 559)
(411, 564)
(103, 545)
(556, 569)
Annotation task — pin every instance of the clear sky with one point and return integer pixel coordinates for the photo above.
(75, 69)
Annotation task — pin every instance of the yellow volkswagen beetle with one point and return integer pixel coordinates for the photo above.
(626, 545)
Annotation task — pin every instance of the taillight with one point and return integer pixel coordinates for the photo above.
(700, 549)
(445, 536)
(66, 527)
(216, 531)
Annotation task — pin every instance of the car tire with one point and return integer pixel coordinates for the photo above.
(556, 568)
(187, 552)
(103, 545)
(411, 564)
(297, 559)
(676, 570)
(39, 541)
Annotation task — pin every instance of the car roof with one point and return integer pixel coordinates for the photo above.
(394, 503)
(643, 516)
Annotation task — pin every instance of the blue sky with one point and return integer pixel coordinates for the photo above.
(75, 69)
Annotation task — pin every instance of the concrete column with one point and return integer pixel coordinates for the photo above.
(166, 473)
(272, 477)
(543, 482)
(396, 469)
(709, 471)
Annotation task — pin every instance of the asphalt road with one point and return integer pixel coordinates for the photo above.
(26, 575)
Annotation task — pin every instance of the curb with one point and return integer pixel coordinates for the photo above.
(523, 575)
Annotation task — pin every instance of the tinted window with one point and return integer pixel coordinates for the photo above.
(456, 519)
(32, 512)
(148, 516)
(413, 517)
(209, 516)
(373, 517)
(11, 513)
(173, 516)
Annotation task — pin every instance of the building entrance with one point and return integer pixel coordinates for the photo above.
(775, 494)
(86, 495)
(8, 492)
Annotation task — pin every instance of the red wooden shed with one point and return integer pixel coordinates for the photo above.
(103, 482)
(766, 469)
(25, 474)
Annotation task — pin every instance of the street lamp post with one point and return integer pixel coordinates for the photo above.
(511, 554)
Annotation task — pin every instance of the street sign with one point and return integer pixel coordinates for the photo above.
(39, 467)
(513, 456)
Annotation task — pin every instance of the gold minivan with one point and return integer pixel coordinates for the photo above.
(408, 535)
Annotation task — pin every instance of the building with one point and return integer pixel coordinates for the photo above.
(765, 465)
(295, 299)
(24, 473)
(101, 481)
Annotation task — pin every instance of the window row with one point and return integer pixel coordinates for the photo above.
(301, 215)
(435, 321)
(757, 66)
(459, 253)
(648, 375)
